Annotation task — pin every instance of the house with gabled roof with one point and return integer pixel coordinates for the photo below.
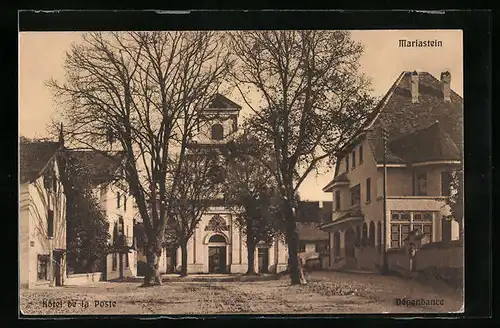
(42, 214)
(109, 187)
(421, 119)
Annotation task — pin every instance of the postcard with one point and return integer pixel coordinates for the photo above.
(256, 172)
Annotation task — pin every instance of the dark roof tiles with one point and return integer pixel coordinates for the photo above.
(219, 101)
(102, 167)
(311, 232)
(429, 144)
(403, 117)
(33, 157)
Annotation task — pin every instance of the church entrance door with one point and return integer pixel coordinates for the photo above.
(217, 259)
(263, 260)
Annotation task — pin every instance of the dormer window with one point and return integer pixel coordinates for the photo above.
(217, 132)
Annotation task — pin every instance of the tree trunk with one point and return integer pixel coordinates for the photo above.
(152, 277)
(184, 259)
(250, 256)
(292, 241)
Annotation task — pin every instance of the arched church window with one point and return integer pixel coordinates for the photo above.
(217, 132)
(217, 239)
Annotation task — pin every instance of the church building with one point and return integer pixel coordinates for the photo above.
(218, 244)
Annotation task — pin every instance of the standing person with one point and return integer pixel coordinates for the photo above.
(303, 280)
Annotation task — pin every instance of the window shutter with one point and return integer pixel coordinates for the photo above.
(50, 223)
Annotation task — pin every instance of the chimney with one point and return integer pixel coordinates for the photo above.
(414, 87)
(446, 79)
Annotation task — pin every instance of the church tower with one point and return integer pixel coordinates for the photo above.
(217, 123)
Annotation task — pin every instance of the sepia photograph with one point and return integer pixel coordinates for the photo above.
(260, 172)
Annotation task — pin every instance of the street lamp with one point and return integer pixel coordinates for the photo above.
(385, 265)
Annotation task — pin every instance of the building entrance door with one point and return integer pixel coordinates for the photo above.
(171, 261)
(263, 258)
(350, 241)
(217, 259)
(58, 268)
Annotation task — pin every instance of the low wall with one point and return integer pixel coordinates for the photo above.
(437, 261)
(441, 254)
(398, 261)
(83, 278)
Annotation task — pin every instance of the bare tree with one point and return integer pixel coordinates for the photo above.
(200, 175)
(251, 194)
(140, 92)
(312, 100)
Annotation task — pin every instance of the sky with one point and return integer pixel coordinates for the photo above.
(41, 56)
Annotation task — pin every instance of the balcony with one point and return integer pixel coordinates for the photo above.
(343, 217)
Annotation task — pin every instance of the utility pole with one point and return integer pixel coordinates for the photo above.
(385, 264)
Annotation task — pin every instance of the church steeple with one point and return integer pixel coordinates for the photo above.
(218, 121)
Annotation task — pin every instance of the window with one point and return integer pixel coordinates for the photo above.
(354, 159)
(337, 200)
(360, 154)
(115, 233)
(217, 239)
(421, 184)
(368, 189)
(355, 195)
(120, 225)
(372, 234)
(118, 200)
(404, 222)
(42, 265)
(50, 223)
(217, 132)
(445, 183)
(364, 238)
(125, 203)
(126, 260)
(347, 163)
(302, 247)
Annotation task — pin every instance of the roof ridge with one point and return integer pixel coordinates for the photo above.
(383, 102)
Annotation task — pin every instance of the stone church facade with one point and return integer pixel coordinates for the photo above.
(218, 244)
